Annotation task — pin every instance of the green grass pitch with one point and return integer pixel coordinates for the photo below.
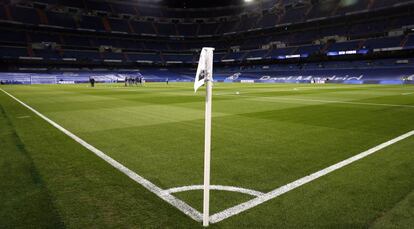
(263, 137)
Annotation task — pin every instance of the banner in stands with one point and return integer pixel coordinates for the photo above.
(349, 76)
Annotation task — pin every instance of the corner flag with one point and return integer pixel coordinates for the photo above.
(204, 75)
(205, 67)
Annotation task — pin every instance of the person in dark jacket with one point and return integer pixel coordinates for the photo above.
(92, 81)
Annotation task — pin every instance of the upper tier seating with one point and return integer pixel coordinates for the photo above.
(91, 17)
(89, 36)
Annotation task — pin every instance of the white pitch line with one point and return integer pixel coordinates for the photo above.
(179, 204)
(408, 93)
(295, 184)
(216, 187)
(324, 101)
(24, 116)
(348, 102)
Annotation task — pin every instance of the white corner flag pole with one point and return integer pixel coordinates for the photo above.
(207, 152)
(205, 68)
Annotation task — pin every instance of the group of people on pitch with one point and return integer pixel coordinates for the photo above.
(134, 80)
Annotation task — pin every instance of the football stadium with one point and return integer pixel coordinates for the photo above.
(218, 113)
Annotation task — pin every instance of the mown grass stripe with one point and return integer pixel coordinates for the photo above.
(179, 204)
(302, 181)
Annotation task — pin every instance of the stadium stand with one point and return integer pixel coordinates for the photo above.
(132, 34)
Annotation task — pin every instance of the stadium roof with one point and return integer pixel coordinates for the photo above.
(200, 4)
(195, 4)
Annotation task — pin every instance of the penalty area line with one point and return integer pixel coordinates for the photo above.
(163, 194)
(302, 181)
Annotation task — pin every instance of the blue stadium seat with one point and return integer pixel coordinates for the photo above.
(352, 6)
(208, 28)
(77, 41)
(369, 28)
(166, 29)
(25, 15)
(294, 15)
(275, 53)
(102, 6)
(227, 27)
(60, 19)
(3, 15)
(344, 46)
(123, 8)
(410, 42)
(254, 43)
(82, 55)
(237, 56)
(119, 25)
(12, 52)
(149, 11)
(136, 56)
(143, 27)
(218, 56)
(184, 58)
(92, 22)
(155, 46)
(44, 37)
(72, 3)
(255, 54)
(323, 9)
(13, 36)
(101, 41)
(267, 20)
(47, 54)
(386, 42)
(131, 44)
(113, 56)
(187, 29)
(247, 23)
(308, 49)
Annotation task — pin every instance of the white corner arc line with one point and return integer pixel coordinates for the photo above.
(166, 196)
(215, 187)
(295, 184)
